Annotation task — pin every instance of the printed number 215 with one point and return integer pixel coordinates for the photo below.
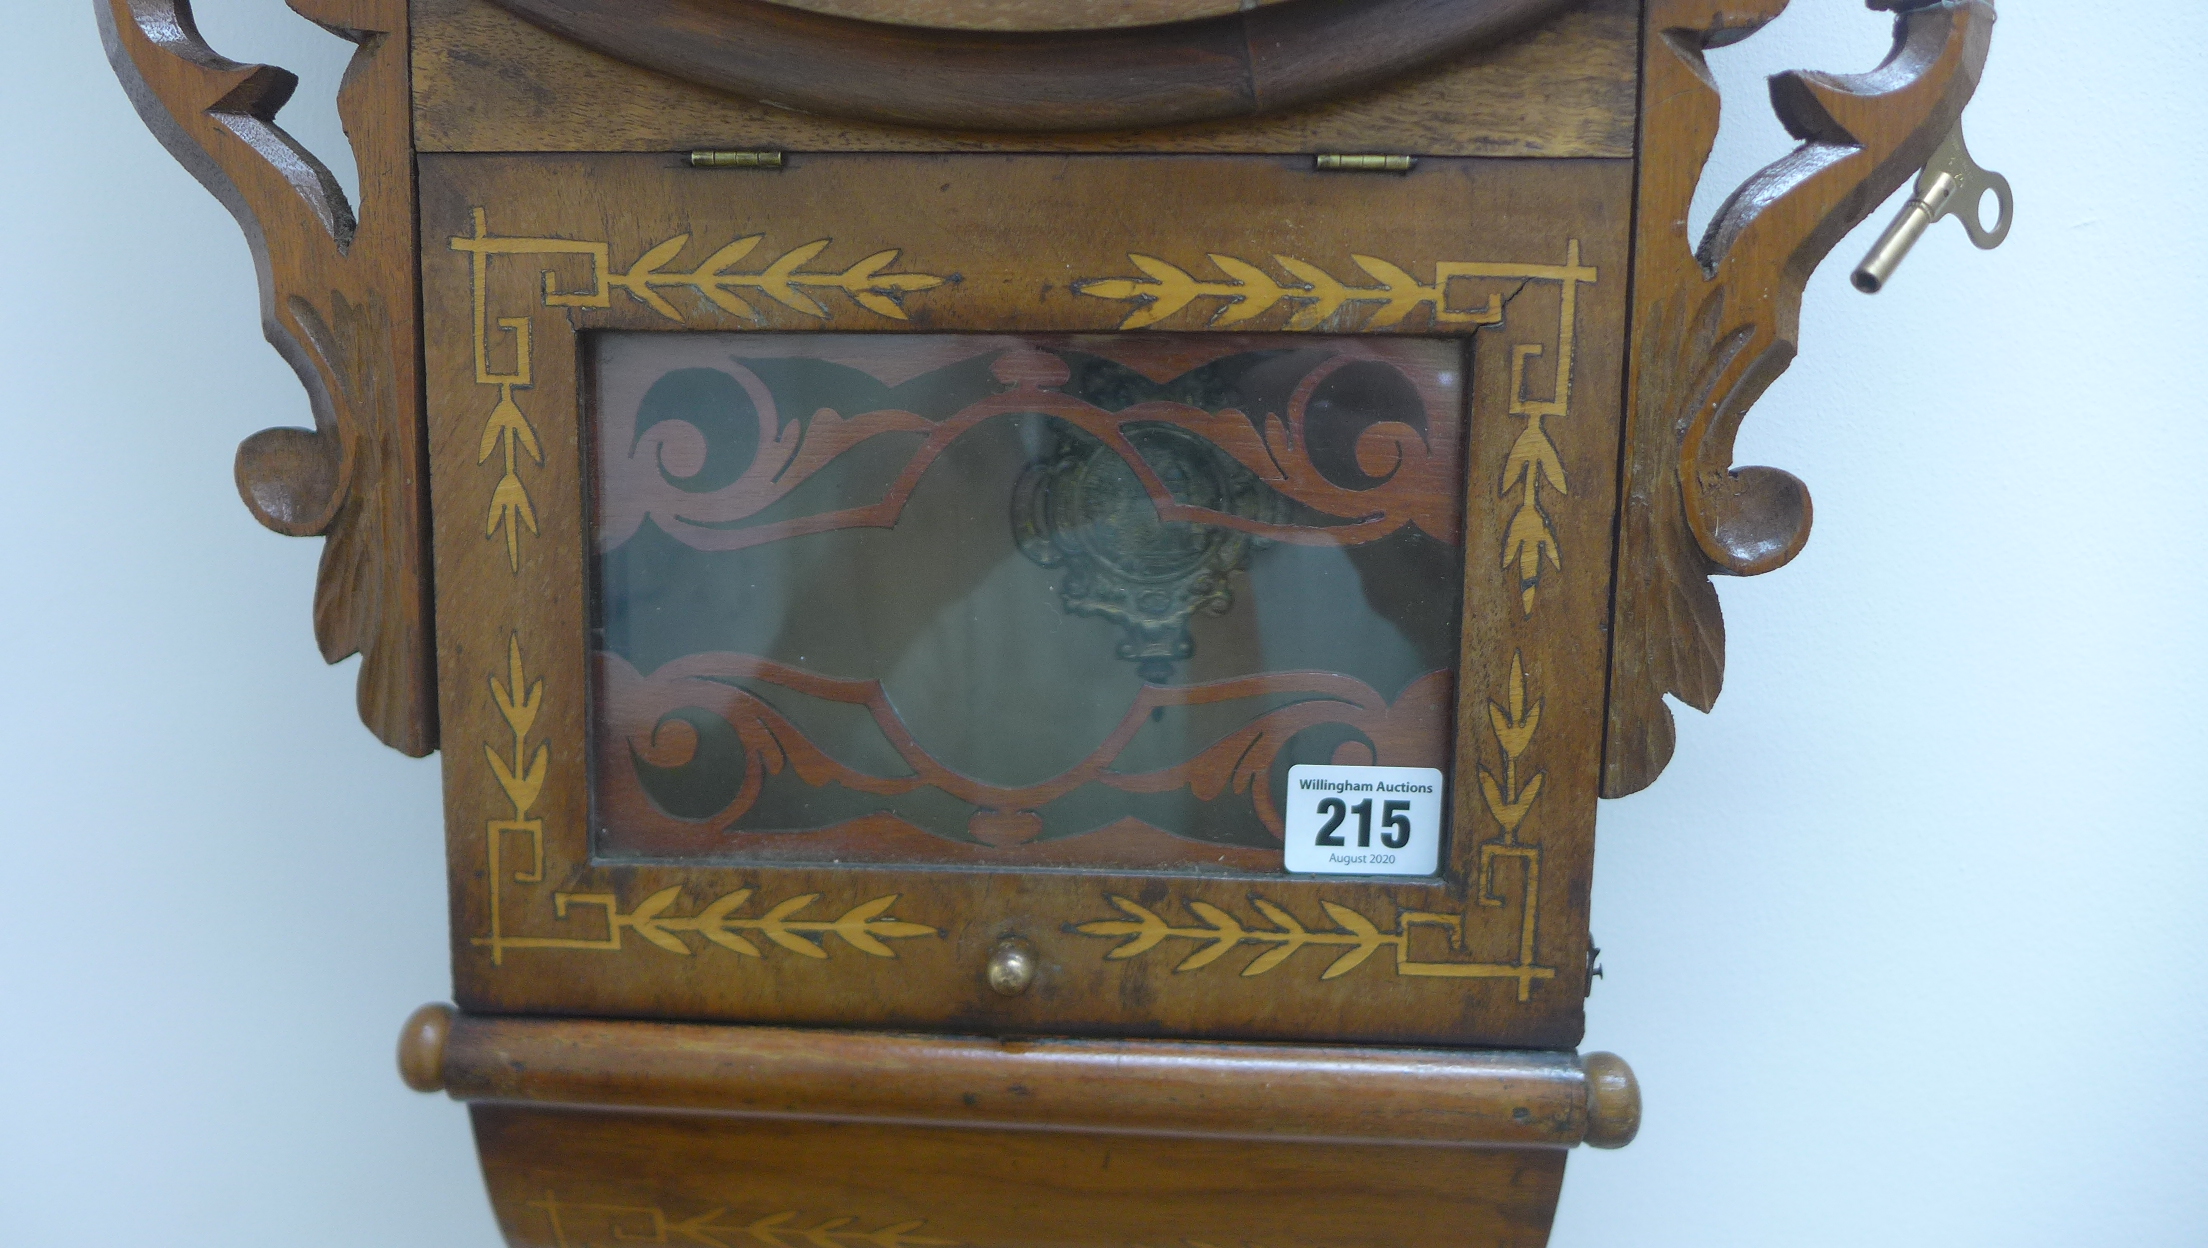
(1394, 817)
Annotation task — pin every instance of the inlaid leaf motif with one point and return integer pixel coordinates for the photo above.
(1229, 930)
(644, 921)
(777, 929)
(713, 924)
(1356, 936)
(1250, 292)
(864, 927)
(1147, 929)
(1369, 939)
(521, 789)
(512, 512)
(507, 421)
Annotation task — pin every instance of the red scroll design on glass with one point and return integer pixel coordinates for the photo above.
(643, 722)
(775, 685)
(1408, 473)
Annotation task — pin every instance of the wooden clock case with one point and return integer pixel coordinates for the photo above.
(1005, 1025)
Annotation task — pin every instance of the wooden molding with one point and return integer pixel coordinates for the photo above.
(1273, 1092)
(1713, 327)
(338, 302)
(1256, 61)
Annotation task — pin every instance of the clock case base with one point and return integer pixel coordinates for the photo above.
(598, 1132)
(581, 1179)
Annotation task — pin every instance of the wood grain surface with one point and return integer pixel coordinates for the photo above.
(1713, 327)
(596, 1179)
(487, 81)
(338, 303)
(1521, 259)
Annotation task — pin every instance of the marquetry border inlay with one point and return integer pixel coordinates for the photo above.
(521, 778)
(715, 281)
(1509, 798)
(579, 1224)
(1322, 301)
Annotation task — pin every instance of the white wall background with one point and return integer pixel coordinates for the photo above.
(1907, 947)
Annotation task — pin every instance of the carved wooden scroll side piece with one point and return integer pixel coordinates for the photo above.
(1714, 327)
(338, 301)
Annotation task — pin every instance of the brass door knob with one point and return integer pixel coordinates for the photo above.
(1011, 966)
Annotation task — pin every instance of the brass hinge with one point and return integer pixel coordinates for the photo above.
(1331, 162)
(735, 160)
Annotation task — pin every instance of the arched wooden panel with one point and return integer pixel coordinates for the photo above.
(1259, 60)
(1026, 14)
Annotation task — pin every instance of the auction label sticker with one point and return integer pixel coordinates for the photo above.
(1364, 820)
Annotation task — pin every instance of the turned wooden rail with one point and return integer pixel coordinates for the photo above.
(1274, 1092)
